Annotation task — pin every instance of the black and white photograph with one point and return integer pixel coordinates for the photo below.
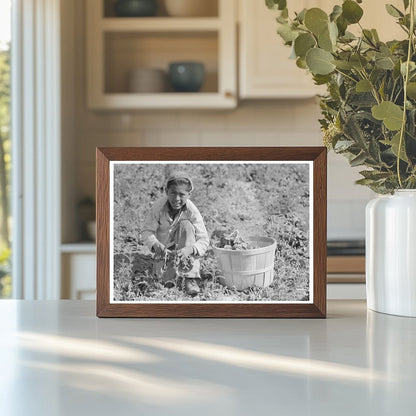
(211, 232)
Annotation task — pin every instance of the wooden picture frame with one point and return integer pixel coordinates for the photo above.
(310, 160)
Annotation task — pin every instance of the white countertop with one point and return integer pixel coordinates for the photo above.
(57, 358)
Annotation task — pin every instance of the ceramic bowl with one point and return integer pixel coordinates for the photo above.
(135, 8)
(147, 80)
(186, 76)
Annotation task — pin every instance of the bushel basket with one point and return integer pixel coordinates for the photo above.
(243, 269)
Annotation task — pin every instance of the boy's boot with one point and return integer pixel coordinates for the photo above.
(191, 287)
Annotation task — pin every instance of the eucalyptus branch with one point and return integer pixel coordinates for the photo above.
(373, 88)
(406, 79)
(358, 45)
(363, 60)
(392, 91)
(346, 75)
(404, 28)
(369, 40)
(398, 95)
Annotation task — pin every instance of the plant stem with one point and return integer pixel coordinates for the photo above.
(392, 91)
(373, 88)
(346, 75)
(406, 79)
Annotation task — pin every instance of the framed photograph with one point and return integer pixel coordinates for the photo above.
(211, 232)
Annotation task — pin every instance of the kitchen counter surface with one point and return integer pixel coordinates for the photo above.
(57, 358)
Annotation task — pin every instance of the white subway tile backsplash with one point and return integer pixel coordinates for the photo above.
(99, 120)
(281, 137)
(206, 119)
(88, 140)
(131, 139)
(346, 219)
(278, 116)
(341, 180)
(231, 138)
(243, 117)
(306, 114)
(156, 119)
(168, 138)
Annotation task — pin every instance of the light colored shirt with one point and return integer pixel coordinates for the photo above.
(158, 225)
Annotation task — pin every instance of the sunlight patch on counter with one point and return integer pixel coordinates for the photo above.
(82, 348)
(263, 361)
(115, 381)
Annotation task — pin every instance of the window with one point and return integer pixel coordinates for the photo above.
(5, 145)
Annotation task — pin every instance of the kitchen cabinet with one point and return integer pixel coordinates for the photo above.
(265, 70)
(78, 262)
(118, 45)
(346, 275)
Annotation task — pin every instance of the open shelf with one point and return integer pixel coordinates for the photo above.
(127, 51)
(118, 45)
(160, 24)
(210, 9)
(86, 247)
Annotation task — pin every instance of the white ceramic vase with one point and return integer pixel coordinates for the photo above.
(391, 253)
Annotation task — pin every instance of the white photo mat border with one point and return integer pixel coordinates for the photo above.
(198, 162)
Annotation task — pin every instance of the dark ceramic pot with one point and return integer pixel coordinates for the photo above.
(135, 8)
(186, 76)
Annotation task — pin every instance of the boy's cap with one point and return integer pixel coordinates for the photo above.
(179, 175)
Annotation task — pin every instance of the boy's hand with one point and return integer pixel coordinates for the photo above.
(185, 252)
(159, 249)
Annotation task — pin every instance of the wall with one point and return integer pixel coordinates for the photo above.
(253, 123)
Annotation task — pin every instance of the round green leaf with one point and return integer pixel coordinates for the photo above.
(301, 15)
(316, 20)
(301, 63)
(336, 12)
(303, 43)
(412, 67)
(276, 4)
(363, 86)
(327, 39)
(375, 35)
(319, 61)
(384, 62)
(411, 90)
(287, 33)
(342, 25)
(391, 114)
(344, 65)
(322, 79)
(358, 61)
(393, 11)
(333, 32)
(325, 42)
(351, 11)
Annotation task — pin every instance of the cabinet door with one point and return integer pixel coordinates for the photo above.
(78, 276)
(266, 71)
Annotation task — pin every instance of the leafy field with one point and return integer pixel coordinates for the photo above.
(256, 199)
